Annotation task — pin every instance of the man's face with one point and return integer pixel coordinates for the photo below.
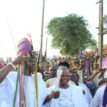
(30, 67)
(46, 74)
(74, 77)
(64, 78)
(52, 73)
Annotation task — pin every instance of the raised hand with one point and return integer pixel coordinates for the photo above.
(55, 94)
(18, 60)
(35, 53)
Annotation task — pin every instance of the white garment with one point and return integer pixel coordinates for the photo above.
(98, 98)
(7, 90)
(97, 79)
(88, 95)
(105, 74)
(52, 82)
(70, 97)
(4, 104)
(80, 76)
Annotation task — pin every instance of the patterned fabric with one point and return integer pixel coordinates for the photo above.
(24, 47)
(25, 51)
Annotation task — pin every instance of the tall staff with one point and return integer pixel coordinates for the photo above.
(11, 33)
(100, 36)
(42, 26)
(24, 49)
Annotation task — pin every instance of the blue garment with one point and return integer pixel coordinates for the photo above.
(92, 86)
(105, 97)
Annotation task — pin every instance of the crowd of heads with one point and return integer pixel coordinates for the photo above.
(87, 63)
(76, 64)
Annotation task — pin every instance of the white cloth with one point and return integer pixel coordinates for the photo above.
(105, 74)
(88, 95)
(7, 90)
(70, 97)
(80, 76)
(98, 98)
(4, 104)
(97, 79)
(52, 81)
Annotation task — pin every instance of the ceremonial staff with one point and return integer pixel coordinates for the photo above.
(42, 26)
(25, 48)
(14, 44)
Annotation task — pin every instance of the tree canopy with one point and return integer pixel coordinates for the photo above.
(70, 33)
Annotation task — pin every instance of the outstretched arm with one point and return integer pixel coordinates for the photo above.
(91, 78)
(4, 71)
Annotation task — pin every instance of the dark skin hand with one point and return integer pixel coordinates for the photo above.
(96, 58)
(53, 94)
(104, 80)
(35, 53)
(94, 75)
(18, 60)
(81, 65)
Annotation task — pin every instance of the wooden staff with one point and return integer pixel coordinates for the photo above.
(21, 88)
(15, 95)
(36, 83)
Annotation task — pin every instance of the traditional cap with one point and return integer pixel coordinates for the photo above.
(24, 47)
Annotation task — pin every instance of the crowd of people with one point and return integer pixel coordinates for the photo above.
(75, 81)
(90, 79)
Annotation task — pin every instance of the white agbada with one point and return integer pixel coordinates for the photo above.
(70, 97)
(7, 90)
(87, 95)
(98, 98)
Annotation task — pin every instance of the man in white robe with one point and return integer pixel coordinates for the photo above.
(75, 77)
(7, 90)
(8, 84)
(52, 81)
(99, 98)
(70, 95)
